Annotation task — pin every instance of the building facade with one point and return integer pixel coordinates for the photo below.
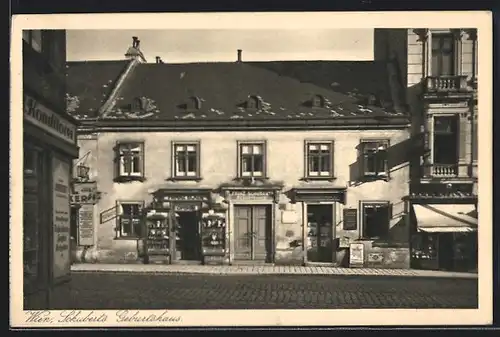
(243, 162)
(441, 77)
(49, 144)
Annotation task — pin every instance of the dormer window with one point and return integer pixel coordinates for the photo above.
(193, 103)
(137, 104)
(253, 102)
(318, 101)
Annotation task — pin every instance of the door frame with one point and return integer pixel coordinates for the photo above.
(172, 216)
(305, 205)
(231, 221)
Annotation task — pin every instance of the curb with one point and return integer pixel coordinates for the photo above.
(161, 270)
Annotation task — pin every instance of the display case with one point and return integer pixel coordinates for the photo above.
(157, 239)
(213, 231)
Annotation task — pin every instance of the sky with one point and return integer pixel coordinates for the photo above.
(221, 45)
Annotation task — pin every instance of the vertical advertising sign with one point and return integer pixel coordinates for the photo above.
(61, 218)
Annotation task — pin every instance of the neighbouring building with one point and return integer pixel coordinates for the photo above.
(441, 80)
(242, 162)
(49, 143)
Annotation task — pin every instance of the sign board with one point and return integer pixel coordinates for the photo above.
(48, 120)
(185, 197)
(85, 193)
(356, 254)
(350, 216)
(344, 242)
(108, 215)
(61, 218)
(375, 258)
(251, 195)
(288, 217)
(86, 225)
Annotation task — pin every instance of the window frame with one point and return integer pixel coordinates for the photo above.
(441, 36)
(363, 205)
(457, 136)
(307, 158)
(384, 174)
(121, 174)
(119, 215)
(240, 145)
(174, 173)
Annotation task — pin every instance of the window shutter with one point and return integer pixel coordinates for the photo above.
(332, 158)
(389, 210)
(142, 159)
(116, 160)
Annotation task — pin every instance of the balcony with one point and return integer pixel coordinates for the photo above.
(444, 170)
(446, 84)
(448, 172)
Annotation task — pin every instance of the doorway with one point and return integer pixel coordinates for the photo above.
(319, 233)
(253, 233)
(188, 236)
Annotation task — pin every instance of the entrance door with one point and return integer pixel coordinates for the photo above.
(252, 233)
(319, 233)
(188, 235)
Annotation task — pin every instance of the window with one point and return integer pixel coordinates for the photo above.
(374, 158)
(186, 160)
(129, 219)
(443, 58)
(376, 219)
(34, 39)
(445, 147)
(318, 101)
(253, 102)
(129, 161)
(252, 157)
(319, 159)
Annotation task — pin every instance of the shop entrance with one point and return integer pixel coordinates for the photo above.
(319, 233)
(188, 236)
(252, 233)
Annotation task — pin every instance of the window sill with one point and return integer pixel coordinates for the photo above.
(330, 178)
(127, 238)
(197, 179)
(126, 179)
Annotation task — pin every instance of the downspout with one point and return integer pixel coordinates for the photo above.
(110, 102)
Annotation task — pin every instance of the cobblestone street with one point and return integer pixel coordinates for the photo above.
(97, 290)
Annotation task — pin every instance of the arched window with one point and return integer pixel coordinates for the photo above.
(253, 102)
(137, 104)
(318, 101)
(194, 103)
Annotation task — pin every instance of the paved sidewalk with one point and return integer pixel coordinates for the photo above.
(262, 270)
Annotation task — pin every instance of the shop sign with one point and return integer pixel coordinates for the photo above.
(185, 197)
(86, 225)
(356, 254)
(48, 120)
(61, 218)
(251, 195)
(375, 257)
(186, 207)
(108, 215)
(85, 193)
(350, 216)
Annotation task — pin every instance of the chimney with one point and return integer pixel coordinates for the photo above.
(135, 41)
(239, 55)
(158, 59)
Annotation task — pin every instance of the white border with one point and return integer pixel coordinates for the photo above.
(481, 20)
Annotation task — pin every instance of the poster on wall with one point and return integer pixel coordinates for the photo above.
(86, 225)
(61, 217)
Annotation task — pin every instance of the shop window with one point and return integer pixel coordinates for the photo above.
(376, 219)
(443, 55)
(445, 140)
(34, 39)
(129, 162)
(252, 159)
(319, 159)
(129, 219)
(186, 159)
(374, 158)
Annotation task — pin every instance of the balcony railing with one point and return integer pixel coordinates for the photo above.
(446, 83)
(444, 170)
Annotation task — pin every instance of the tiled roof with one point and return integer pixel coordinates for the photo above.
(285, 90)
(90, 83)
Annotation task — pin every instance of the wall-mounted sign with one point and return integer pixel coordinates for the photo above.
(251, 195)
(61, 218)
(356, 254)
(350, 216)
(288, 217)
(108, 215)
(186, 207)
(85, 193)
(48, 120)
(86, 225)
(185, 197)
(375, 258)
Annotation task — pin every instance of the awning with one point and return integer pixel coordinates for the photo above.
(446, 218)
